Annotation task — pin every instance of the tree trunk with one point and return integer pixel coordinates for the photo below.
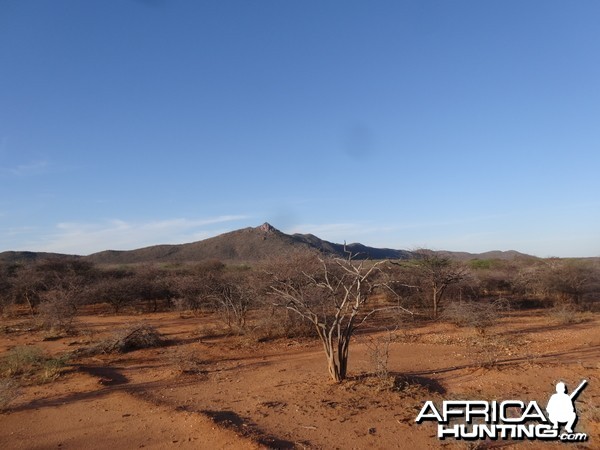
(337, 357)
(30, 303)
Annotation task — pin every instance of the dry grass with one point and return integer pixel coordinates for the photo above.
(30, 364)
(566, 314)
(187, 362)
(490, 350)
(405, 336)
(9, 390)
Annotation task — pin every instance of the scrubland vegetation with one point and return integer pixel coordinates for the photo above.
(304, 294)
(53, 291)
(295, 298)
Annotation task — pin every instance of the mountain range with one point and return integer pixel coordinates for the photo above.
(244, 245)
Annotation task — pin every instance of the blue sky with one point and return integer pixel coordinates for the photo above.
(458, 125)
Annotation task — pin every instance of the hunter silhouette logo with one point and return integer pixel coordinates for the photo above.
(561, 406)
(509, 419)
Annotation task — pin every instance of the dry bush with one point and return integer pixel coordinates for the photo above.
(573, 280)
(31, 364)
(478, 315)
(6, 286)
(193, 286)
(34, 282)
(378, 351)
(140, 288)
(57, 313)
(117, 287)
(232, 294)
(9, 390)
(182, 306)
(136, 337)
(566, 314)
(209, 330)
(187, 362)
(435, 276)
(276, 323)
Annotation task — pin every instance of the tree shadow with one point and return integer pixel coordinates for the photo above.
(225, 418)
(108, 376)
(584, 324)
(230, 419)
(580, 355)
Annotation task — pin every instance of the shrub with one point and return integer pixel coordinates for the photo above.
(479, 315)
(187, 362)
(565, 314)
(275, 323)
(378, 351)
(57, 312)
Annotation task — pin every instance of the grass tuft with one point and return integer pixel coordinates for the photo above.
(31, 364)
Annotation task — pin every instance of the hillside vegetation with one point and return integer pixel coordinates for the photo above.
(245, 245)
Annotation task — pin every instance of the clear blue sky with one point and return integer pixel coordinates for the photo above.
(458, 125)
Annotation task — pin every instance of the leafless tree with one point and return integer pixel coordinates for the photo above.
(60, 304)
(572, 279)
(378, 351)
(27, 287)
(66, 286)
(233, 294)
(52, 280)
(117, 287)
(437, 273)
(194, 286)
(7, 279)
(333, 294)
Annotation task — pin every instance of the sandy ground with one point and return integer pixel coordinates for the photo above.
(207, 389)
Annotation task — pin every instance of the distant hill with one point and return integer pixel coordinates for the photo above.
(494, 254)
(26, 257)
(245, 245)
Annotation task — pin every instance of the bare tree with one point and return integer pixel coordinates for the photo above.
(117, 287)
(59, 305)
(572, 279)
(233, 295)
(195, 286)
(52, 280)
(66, 286)
(333, 295)
(438, 274)
(7, 278)
(27, 287)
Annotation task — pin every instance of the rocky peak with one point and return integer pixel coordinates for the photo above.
(267, 228)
